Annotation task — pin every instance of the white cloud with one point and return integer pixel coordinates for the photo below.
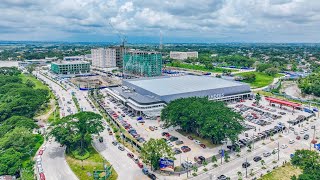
(235, 20)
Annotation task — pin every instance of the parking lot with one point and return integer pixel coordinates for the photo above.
(261, 121)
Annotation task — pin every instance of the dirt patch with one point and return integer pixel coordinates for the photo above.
(291, 88)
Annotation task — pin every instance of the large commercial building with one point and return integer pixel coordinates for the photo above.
(74, 58)
(142, 63)
(183, 55)
(150, 95)
(103, 57)
(70, 67)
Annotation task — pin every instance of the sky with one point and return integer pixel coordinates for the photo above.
(142, 21)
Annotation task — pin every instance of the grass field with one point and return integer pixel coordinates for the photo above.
(282, 173)
(197, 67)
(262, 79)
(94, 162)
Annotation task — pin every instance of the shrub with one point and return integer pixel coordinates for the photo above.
(194, 174)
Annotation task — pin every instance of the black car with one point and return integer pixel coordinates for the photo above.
(177, 151)
(173, 138)
(152, 176)
(114, 143)
(245, 164)
(257, 158)
(222, 177)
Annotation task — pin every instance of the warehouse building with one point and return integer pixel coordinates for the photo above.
(70, 67)
(150, 95)
(142, 63)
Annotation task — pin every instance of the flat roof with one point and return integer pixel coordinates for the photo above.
(283, 102)
(70, 62)
(182, 84)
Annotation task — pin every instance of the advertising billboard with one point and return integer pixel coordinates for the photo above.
(166, 164)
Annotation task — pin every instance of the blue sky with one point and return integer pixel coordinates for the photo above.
(178, 20)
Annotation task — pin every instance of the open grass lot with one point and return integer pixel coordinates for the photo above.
(39, 84)
(197, 67)
(207, 142)
(282, 173)
(262, 79)
(94, 162)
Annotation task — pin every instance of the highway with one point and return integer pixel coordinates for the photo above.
(54, 164)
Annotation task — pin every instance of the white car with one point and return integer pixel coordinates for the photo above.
(283, 146)
(301, 132)
(40, 170)
(43, 148)
(275, 150)
(291, 141)
(197, 142)
(170, 144)
(305, 129)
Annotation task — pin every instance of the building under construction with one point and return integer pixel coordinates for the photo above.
(142, 63)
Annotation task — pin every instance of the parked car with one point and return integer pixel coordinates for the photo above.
(145, 171)
(152, 176)
(291, 141)
(173, 138)
(245, 164)
(197, 142)
(179, 142)
(130, 155)
(185, 149)
(266, 154)
(121, 148)
(190, 137)
(177, 151)
(114, 143)
(203, 146)
(306, 137)
(298, 137)
(151, 128)
(222, 177)
(284, 146)
(257, 158)
(140, 164)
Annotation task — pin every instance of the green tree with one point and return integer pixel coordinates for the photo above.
(258, 98)
(271, 71)
(10, 161)
(226, 156)
(249, 77)
(31, 68)
(153, 150)
(208, 119)
(29, 83)
(214, 159)
(75, 130)
(309, 162)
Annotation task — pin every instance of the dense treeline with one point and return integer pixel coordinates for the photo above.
(231, 60)
(208, 119)
(308, 161)
(310, 84)
(18, 104)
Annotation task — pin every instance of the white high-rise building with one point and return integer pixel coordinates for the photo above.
(103, 58)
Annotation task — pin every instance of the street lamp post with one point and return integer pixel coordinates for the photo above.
(278, 151)
(246, 168)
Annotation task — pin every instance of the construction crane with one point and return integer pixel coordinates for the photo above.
(122, 37)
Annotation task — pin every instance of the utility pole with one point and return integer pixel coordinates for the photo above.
(246, 168)
(187, 167)
(278, 151)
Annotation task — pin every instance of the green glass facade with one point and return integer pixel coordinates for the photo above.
(70, 68)
(139, 63)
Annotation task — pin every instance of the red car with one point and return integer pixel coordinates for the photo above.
(40, 152)
(298, 137)
(42, 177)
(190, 137)
(203, 146)
(140, 164)
(130, 155)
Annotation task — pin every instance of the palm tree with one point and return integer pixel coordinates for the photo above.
(258, 98)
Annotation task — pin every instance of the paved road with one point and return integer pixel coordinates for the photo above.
(126, 168)
(54, 163)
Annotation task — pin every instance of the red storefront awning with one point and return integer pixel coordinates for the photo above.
(283, 102)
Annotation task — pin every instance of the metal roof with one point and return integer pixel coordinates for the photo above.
(163, 86)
